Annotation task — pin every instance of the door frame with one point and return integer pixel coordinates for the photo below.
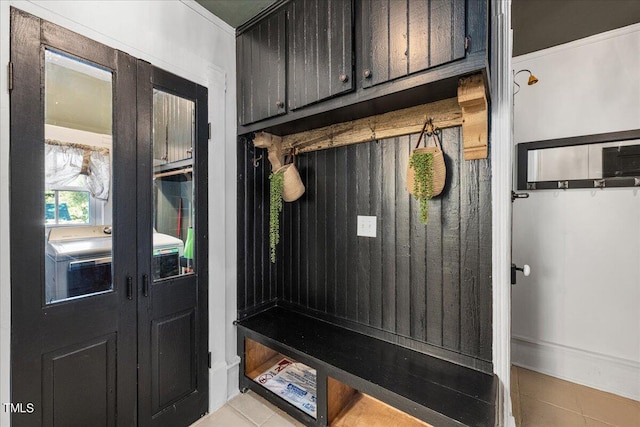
(501, 185)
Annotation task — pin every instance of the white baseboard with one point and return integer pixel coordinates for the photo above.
(223, 383)
(233, 378)
(610, 374)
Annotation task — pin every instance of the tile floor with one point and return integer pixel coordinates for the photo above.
(248, 410)
(538, 401)
(544, 401)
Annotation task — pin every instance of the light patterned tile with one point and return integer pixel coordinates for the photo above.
(536, 413)
(224, 417)
(253, 407)
(548, 389)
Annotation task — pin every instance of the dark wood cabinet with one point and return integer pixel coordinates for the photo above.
(320, 50)
(402, 37)
(261, 60)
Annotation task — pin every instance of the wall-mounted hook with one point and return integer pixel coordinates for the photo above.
(256, 162)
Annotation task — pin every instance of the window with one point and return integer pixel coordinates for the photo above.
(67, 207)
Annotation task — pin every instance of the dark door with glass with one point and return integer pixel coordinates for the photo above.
(108, 296)
(172, 250)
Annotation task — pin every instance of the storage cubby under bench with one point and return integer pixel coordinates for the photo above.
(360, 380)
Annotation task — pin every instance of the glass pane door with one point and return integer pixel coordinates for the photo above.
(173, 201)
(77, 198)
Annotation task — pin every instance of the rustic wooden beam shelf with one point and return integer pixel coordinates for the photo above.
(468, 110)
(360, 378)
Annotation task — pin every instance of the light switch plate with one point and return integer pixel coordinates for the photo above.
(367, 226)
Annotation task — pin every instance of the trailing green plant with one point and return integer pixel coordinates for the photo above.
(276, 185)
(422, 164)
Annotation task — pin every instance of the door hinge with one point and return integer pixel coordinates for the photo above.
(209, 360)
(209, 130)
(10, 76)
(467, 43)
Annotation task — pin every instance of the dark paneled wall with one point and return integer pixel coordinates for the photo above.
(425, 287)
(256, 274)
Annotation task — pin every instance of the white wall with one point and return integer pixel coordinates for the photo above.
(577, 316)
(185, 39)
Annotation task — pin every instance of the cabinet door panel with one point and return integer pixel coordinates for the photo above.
(320, 50)
(261, 70)
(401, 37)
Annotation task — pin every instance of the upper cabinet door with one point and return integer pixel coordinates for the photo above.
(261, 70)
(320, 50)
(401, 37)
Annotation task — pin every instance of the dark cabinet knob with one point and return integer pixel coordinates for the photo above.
(367, 74)
(279, 104)
(344, 78)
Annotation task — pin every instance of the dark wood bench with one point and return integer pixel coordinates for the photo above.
(357, 373)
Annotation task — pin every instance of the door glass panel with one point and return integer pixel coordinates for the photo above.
(78, 200)
(173, 201)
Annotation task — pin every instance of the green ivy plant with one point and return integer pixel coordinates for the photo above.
(422, 164)
(276, 186)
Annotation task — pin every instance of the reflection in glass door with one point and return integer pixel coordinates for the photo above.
(77, 152)
(173, 190)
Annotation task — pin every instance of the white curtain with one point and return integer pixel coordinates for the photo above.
(64, 162)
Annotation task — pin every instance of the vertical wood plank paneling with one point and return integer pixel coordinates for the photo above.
(320, 50)
(310, 52)
(296, 52)
(469, 261)
(485, 293)
(459, 28)
(441, 34)
(352, 240)
(378, 32)
(331, 261)
(476, 18)
(451, 242)
(247, 78)
(261, 69)
(420, 266)
(258, 108)
(407, 36)
(242, 223)
(305, 242)
(431, 284)
(435, 258)
(312, 247)
(363, 263)
(341, 182)
(252, 195)
(340, 41)
(398, 42)
(272, 89)
(323, 49)
(321, 158)
(287, 241)
(418, 35)
(388, 234)
(262, 235)
(375, 209)
(402, 240)
(280, 35)
(296, 258)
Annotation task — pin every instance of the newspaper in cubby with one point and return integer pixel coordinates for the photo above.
(292, 381)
